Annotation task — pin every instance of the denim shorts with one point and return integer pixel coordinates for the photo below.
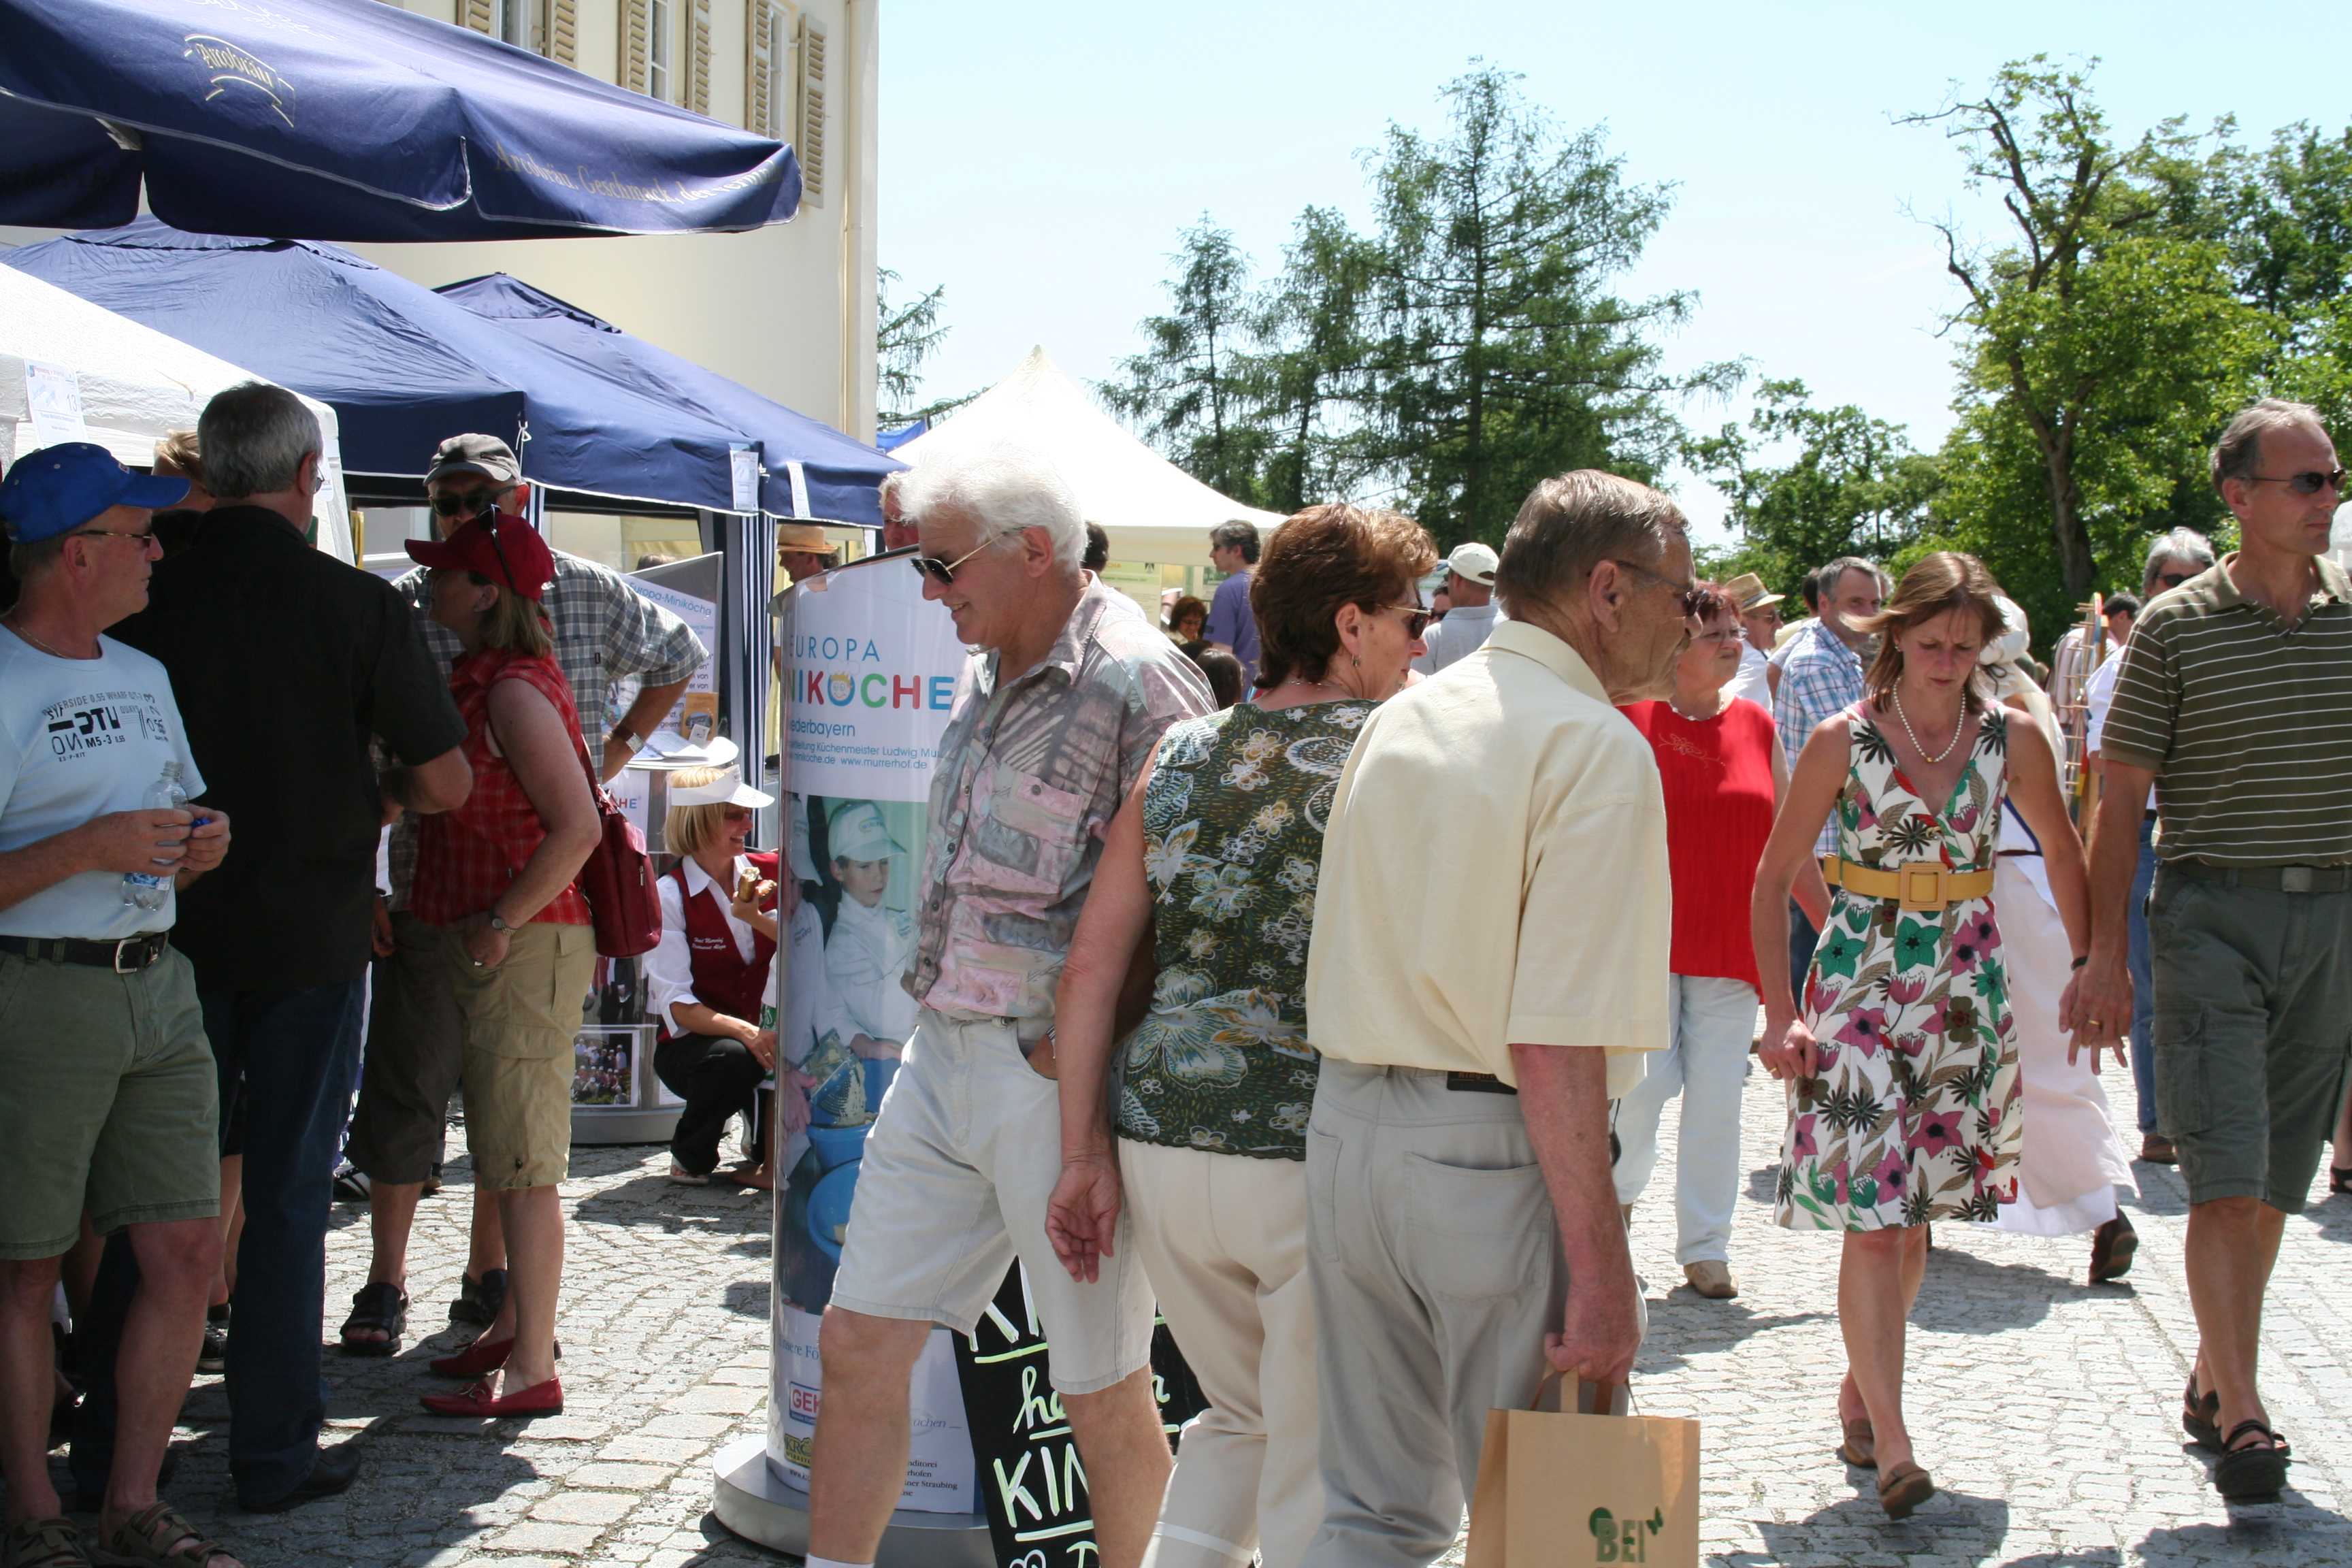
(2253, 1032)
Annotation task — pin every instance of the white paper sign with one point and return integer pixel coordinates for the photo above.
(743, 468)
(53, 395)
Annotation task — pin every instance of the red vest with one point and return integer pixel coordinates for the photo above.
(722, 980)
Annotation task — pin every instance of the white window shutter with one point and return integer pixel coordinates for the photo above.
(697, 55)
(811, 118)
(476, 14)
(636, 26)
(757, 67)
(563, 31)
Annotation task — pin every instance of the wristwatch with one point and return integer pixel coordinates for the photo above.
(628, 737)
(498, 923)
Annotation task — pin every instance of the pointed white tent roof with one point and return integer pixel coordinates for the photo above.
(136, 383)
(1152, 509)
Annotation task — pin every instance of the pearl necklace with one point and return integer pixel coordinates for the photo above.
(1958, 724)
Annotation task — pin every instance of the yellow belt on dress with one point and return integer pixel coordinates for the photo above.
(1921, 885)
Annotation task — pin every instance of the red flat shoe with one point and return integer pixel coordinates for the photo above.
(540, 1399)
(478, 1360)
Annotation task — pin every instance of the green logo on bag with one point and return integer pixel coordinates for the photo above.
(1625, 1543)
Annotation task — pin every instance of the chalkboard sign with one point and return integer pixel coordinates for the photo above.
(1032, 1484)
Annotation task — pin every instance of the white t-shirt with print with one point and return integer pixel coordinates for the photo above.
(80, 738)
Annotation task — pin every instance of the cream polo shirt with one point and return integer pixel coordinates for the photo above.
(1494, 873)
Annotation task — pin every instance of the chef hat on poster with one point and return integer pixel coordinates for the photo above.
(857, 832)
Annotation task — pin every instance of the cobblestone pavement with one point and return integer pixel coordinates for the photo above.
(2046, 1410)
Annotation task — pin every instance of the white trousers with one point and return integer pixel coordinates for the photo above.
(1223, 1241)
(1712, 1021)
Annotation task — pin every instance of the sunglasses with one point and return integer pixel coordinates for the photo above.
(141, 540)
(468, 503)
(2172, 579)
(736, 813)
(2310, 482)
(943, 571)
(1416, 620)
(1693, 597)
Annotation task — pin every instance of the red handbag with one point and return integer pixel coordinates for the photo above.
(617, 879)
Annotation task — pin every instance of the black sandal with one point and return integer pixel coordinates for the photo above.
(2252, 1472)
(381, 1306)
(478, 1300)
(2201, 1419)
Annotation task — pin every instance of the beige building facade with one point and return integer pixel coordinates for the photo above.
(789, 309)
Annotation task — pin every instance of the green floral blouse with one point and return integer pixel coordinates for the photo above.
(1233, 837)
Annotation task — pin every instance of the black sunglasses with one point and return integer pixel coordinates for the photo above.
(2309, 483)
(471, 504)
(2172, 579)
(1693, 597)
(1416, 620)
(943, 571)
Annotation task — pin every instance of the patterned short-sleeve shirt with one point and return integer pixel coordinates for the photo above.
(1031, 773)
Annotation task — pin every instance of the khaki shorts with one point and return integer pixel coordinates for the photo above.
(108, 1102)
(415, 1046)
(518, 1020)
(954, 1187)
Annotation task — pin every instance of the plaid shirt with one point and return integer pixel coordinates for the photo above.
(604, 630)
(467, 857)
(1820, 676)
(1029, 777)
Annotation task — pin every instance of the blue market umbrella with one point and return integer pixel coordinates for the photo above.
(841, 474)
(348, 119)
(403, 366)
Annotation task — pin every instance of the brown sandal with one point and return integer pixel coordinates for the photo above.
(140, 1540)
(46, 1543)
(1903, 1489)
(1860, 1449)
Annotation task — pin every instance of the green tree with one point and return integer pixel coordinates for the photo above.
(1194, 389)
(1504, 353)
(906, 335)
(1313, 383)
(1852, 485)
(2102, 344)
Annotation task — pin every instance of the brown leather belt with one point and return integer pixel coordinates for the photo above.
(1921, 885)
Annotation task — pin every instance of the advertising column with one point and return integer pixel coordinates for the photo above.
(869, 671)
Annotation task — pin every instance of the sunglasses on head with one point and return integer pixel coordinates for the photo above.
(1693, 597)
(2309, 483)
(943, 571)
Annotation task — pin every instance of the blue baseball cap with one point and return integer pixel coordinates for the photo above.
(56, 489)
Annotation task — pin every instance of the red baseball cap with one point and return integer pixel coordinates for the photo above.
(503, 548)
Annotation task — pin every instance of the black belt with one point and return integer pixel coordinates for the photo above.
(2271, 878)
(128, 956)
(1478, 1083)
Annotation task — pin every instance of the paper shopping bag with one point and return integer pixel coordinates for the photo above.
(1562, 1488)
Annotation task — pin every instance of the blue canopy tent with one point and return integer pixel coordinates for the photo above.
(839, 474)
(338, 120)
(403, 367)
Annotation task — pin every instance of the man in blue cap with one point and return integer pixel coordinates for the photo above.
(111, 1100)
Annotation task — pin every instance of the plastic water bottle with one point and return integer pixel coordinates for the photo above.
(147, 890)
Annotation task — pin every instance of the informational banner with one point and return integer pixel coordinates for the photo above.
(53, 399)
(701, 695)
(1032, 1484)
(870, 672)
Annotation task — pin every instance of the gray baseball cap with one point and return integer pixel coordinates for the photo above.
(484, 455)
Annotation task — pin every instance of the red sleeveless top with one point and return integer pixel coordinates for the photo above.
(467, 857)
(1718, 786)
(723, 982)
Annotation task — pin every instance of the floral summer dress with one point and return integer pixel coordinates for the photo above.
(1233, 841)
(1914, 1116)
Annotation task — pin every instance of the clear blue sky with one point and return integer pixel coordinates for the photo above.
(1039, 159)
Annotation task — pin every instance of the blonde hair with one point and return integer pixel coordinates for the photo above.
(176, 453)
(513, 623)
(688, 830)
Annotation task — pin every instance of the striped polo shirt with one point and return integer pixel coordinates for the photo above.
(2245, 720)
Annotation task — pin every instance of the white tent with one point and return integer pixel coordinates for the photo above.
(135, 384)
(1153, 511)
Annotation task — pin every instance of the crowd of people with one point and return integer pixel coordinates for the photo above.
(1292, 1017)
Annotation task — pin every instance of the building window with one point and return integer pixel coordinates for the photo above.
(783, 71)
(522, 23)
(658, 77)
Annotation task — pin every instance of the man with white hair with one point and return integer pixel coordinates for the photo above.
(1064, 701)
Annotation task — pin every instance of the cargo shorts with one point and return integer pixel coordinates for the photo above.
(2253, 1032)
(520, 1020)
(108, 1102)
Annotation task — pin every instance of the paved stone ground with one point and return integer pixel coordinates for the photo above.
(2045, 1409)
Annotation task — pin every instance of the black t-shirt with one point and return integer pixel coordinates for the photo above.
(285, 662)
